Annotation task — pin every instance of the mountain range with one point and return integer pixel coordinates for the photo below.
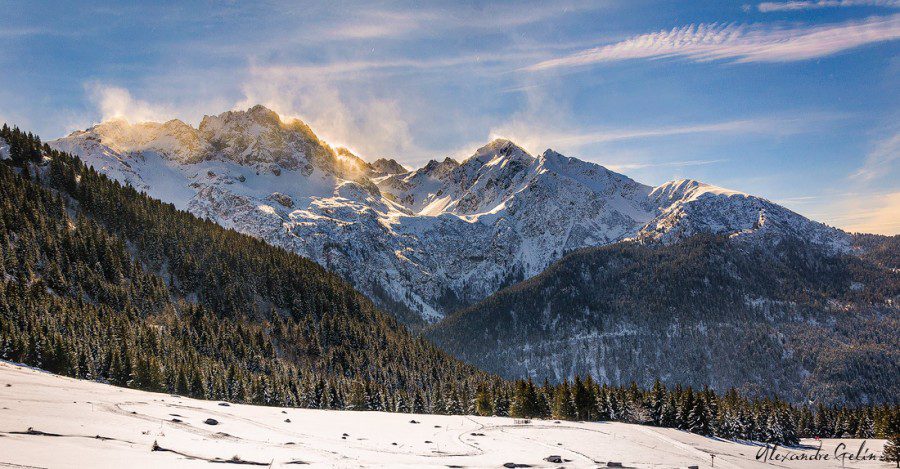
(421, 243)
(545, 266)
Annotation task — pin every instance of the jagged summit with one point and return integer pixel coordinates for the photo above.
(388, 166)
(431, 239)
(498, 151)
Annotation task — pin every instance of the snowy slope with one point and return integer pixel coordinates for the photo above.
(425, 242)
(87, 424)
(4, 150)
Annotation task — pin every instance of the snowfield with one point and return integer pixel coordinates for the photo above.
(433, 239)
(50, 421)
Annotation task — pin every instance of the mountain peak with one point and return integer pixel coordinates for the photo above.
(388, 166)
(498, 151)
(258, 114)
(690, 188)
(260, 109)
(502, 144)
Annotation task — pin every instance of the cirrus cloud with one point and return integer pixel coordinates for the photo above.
(882, 160)
(739, 43)
(767, 7)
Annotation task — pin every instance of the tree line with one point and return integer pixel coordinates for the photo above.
(101, 282)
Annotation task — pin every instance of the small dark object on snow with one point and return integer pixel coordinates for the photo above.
(224, 404)
(512, 464)
(427, 441)
(287, 420)
(437, 426)
(395, 444)
(413, 421)
(290, 443)
(283, 411)
(554, 459)
(693, 467)
(614, 464)
(556, 421)
(346, 434)
(32, 431)
(211, 422)
(176, 420)
(8, 385)
(477, 434)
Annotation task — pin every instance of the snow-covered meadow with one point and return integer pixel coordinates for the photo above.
(50, 421)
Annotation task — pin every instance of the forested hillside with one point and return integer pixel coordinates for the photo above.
(100, 281)
(782, 318)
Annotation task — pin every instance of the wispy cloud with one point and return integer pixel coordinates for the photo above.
(867, 213)
(767, 7)
(665, 164)
(534, 136)
(739, 43)
(861, 211)
(117, 103)
(351, 69)
(26, 32)
(373, 125)
(803, 199)
(882, 160)
(388, 23)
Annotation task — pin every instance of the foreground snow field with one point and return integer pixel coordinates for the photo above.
(78, 423)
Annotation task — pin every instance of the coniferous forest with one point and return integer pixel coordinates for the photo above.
(102, 282)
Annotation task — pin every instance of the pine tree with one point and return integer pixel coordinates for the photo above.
(418, 406)
(891, 452)
(698, 418)
(483, 405)
(563, 408)
(685, 406)
(501, 404)
(657, 402)
(583, 401)
(357, 399)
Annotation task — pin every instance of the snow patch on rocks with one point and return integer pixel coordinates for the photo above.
(429, 240)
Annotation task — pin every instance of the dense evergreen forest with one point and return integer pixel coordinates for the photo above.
(768, 319)
(98, 281)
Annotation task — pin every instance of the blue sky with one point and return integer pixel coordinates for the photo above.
(794, 101)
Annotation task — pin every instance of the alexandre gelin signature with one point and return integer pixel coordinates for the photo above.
(841, 453)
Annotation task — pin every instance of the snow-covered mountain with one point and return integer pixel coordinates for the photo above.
(424, 242)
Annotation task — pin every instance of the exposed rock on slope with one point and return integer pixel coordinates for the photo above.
(425, 242)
